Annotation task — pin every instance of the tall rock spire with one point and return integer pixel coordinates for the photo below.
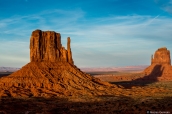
(151, 59)
(70, 60)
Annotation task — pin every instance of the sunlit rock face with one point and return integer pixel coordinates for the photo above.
(160, 68)
(46, 46)
(161, 56)
(51, 72)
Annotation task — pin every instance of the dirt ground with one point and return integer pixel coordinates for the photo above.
(134, 98)
(108, 105)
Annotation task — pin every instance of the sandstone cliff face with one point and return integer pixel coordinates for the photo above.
(46, 46)
(161, 56)
(51, 72)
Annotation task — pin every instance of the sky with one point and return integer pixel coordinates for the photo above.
(104, 33)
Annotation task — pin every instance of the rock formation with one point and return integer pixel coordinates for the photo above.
(51, 72)
(160, 68)
(70, 60)
(161, 56)
(46, 46)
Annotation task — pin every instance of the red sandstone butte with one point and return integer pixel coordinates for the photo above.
(160, 68)
(161, 56)
(46, 46)
(51, 72)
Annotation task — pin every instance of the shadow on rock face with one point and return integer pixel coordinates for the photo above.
(159, 70)
(153, 76)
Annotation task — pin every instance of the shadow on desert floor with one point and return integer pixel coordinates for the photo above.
(142, 81)
(116, 105)
(3, 74)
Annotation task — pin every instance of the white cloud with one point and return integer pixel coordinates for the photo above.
(115, 40)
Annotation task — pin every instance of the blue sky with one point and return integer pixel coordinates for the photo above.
(104, 33)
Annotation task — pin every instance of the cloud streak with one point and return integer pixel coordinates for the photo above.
(109, 41)
(166, 5)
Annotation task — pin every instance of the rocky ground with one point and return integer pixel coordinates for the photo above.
(103, 105)
(155, 97)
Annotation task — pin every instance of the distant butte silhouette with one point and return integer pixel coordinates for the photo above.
(51, 72)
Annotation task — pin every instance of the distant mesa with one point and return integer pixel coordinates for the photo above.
(117, 69)
(8, 69)
(51, 72)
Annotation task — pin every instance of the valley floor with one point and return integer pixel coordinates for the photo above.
(130, 98)
(107, 105)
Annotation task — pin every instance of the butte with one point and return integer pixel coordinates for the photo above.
(160, 68)
(51, 72)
